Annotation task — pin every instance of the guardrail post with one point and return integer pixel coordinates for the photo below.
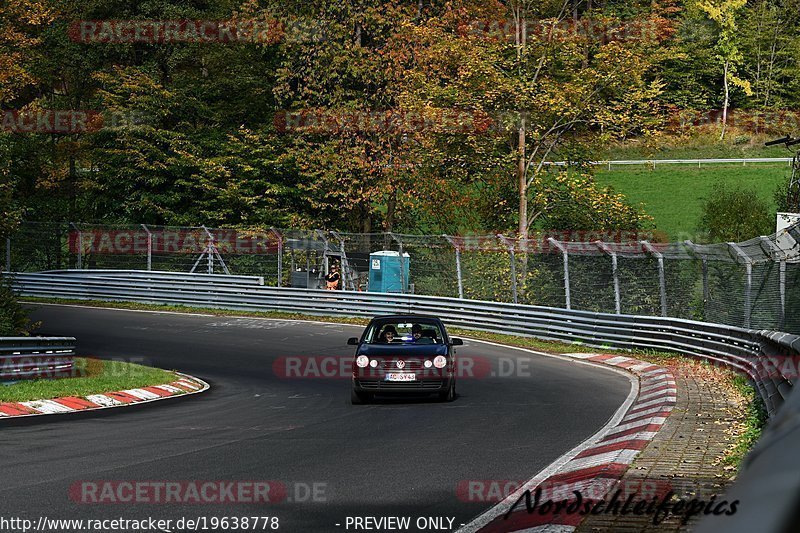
(211, 245)
(782, 289)
(513, 266)
(692, 247)
(8, 254)
(565, 258)
(347, 275)
(776, 253)
(748, 297)
(662, 283)
(617, 300)
(615, 272)
(279, 237)
(748, 291)
(325, 261)
(457, 248)
(80, 245)
(149, 248)
(402, 263)
(402, 270)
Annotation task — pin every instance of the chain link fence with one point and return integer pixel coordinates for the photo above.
(752, 284)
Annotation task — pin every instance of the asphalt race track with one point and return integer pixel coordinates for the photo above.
(393, 458)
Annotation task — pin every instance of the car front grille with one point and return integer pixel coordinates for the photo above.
(410, 364)
(381, 385)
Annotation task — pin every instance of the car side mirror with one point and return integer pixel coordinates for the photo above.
(455, 341)
(352, 341)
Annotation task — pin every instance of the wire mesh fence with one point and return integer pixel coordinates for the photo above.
(753, 284)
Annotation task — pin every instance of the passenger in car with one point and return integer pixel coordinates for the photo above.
(388, 334)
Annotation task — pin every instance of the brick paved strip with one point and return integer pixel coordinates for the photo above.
(599, 467)
(684, 456)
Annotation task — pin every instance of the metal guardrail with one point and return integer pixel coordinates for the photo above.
(161, 276)
(36, 357)
(770, 482)
(739, 348)
(699, 162)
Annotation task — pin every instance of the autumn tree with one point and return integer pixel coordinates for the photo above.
(339, 79)
(21, 21)
(725, 14)
(551, 90)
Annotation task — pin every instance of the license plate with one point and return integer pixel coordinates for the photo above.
(394, 376)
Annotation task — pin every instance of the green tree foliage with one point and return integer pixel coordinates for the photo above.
(14, 319)
(9, 210)
(735, 214)
(192, 132)
(770, 50)
(725, 14)
(551, 88)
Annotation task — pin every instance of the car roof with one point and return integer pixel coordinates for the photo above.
(406, 318)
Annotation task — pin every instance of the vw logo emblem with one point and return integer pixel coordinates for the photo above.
(401, 364)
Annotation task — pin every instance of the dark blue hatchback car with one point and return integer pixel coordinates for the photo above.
(404, 354)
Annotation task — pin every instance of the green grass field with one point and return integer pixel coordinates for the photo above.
(93, 377)
(701, 143)
(673, 194)
(714, 151)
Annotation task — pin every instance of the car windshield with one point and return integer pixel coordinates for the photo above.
(404, 332)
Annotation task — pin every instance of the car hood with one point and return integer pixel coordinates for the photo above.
(402, 350)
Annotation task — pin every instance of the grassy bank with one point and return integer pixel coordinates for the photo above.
(751, 426)
(673, 194)
(697, 143)
(92, 376)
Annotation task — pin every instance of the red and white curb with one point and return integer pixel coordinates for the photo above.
(186, 385)
(595, 466)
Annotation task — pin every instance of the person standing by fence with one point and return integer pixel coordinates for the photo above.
(332, 279)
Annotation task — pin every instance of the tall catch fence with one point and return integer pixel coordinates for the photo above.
(753, 284)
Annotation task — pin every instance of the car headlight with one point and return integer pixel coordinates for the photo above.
(427, 363)
(362, 361)
(373, 363)
(439, 361)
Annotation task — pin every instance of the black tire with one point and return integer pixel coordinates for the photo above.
(359, 398)
(450, 394)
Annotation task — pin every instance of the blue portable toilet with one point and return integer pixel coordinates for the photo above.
(385, 274)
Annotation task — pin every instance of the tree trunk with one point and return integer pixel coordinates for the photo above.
(391, 208)
(773, 52)
(727, 101)
(73, 188)
(522, 180)
(366, 220)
